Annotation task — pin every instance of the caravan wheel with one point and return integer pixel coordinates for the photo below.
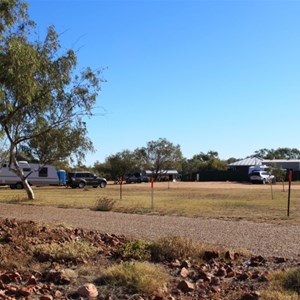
(19, 185)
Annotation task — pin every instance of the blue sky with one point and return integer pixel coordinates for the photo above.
(207, 75)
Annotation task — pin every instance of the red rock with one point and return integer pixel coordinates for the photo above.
(58, 294)
(185, 286)
(176, 263)
(88, 290)
(46, 297)
(184, 272)
(205, 276)
(250, 296)
(231, 255)
(209, 255)
(221, 272)
(24, 291)
(186, 264)
(215, 289)
(229, 272)
(32, 281)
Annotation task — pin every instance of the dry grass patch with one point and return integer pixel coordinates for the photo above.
(104, 204)
(136, 277)
(284, 285)
(67, 251)
(209, 200)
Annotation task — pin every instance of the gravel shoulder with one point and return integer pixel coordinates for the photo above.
(260, 238)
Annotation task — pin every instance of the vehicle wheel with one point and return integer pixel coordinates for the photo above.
(264, 181)
(19, 185)
(81, 184)
(102, 184)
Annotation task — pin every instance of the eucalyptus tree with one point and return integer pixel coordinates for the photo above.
(279, 153)
(118, 165)
(43, 98)
(160, 156)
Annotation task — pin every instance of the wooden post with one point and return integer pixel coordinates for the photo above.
(152, 193)
(289, 194)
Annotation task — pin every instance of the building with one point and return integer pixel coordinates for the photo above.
(288, 164)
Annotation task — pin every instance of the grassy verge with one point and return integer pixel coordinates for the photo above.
(244, 201)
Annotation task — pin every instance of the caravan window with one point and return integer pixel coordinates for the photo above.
(43, 172)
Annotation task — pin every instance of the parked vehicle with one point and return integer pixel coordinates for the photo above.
(82, 179)
(39, 175)
(136, 178)
(262, 177)
(257, 168)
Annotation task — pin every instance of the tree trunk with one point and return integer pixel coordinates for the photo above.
(20, 174)
(29, 191)
(283, 185)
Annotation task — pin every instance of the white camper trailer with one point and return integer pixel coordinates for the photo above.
(41, 175)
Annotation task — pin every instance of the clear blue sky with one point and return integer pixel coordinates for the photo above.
(207, 75)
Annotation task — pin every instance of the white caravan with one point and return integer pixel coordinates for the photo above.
(41, 175)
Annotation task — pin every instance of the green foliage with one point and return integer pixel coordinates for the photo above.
(160, 156)
(280, 153)
(280, 174)
(104, 204)
(136, 277)
(136, 249)
(42, 97)
(118, 164)
(204, 161)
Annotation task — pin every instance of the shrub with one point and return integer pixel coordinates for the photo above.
(136, 277)
(67, 250)
(284, 285)
(170, 248)
(291, 280)
(104, 204)
(136, 249)
(277, 295)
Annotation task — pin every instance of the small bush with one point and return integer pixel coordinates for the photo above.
(104, 204)
(136, 249)
(170, 248)
(284, 285)
(277, 295)
(136, 277)
(291, 280)
(16, 199)
(68, 250)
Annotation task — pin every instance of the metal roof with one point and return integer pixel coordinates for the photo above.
(163, 172)
(250, 161)
(281, 160)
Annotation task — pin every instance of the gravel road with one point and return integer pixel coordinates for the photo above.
(260, 238)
